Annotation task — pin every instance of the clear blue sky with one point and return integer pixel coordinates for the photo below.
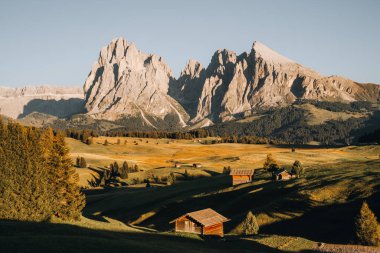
(56, 42)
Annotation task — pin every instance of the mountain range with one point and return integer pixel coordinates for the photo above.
(126, 85)
(126, 82)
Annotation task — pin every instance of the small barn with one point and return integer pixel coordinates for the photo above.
(241, 176)
(282, 175)
(203, 222)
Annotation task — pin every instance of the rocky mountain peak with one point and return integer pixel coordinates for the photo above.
(192, 69)
(126, 82)
(259, 50)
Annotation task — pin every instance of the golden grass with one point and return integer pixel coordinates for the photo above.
(317, 116)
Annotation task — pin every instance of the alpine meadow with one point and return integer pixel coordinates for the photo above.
(106, 145)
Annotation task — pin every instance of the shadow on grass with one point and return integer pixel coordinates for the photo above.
(331, 223)
(47, 237)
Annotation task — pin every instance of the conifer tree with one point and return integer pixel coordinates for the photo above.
(69, 201)
(124, 170)
(367, 227)
(270, 164)
(250, 225)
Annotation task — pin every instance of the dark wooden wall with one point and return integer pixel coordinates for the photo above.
(214, 230)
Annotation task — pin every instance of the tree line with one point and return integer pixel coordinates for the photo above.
(37, 180)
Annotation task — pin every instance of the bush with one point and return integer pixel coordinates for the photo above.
(171, 179)
(367, 227)
(297, 169)
(250, 225)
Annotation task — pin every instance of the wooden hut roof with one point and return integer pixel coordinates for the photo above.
(242, 172)
(281, 171)
(206, 217)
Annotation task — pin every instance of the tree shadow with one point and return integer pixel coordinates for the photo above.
(52, 237)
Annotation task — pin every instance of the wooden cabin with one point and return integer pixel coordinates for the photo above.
(241, 176)
(282, 175)
(177, 165)
(197, 165)
(202, 222)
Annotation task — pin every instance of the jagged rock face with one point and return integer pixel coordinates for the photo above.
(57, 101)
(126, 82)
(187, 89)
(232, 85)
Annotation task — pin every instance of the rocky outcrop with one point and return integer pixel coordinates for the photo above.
(233, 85)
(187, 89)
(127, 83)
(57, 101)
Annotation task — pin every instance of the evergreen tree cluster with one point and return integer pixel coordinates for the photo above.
(81, 162)
(37, 181)
(84, 136)
(115, 171)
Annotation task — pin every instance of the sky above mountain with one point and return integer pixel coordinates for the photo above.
(56, 42)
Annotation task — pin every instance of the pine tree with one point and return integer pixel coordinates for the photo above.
(367, 227)
(124, 170)
(68, 201)
(136, 168)
(250, 225)
(114, 170)
(270, 164)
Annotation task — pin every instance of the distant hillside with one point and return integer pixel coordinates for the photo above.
(323, 122)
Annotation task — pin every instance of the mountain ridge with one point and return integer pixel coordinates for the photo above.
(126, 84)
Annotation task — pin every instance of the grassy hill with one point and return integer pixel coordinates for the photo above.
(319, 207)
(293, 215)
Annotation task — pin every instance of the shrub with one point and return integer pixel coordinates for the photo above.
(297, 169)
(367, 227)
(250, 225)
(171, 179)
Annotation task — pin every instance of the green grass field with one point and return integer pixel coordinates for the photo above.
(293, 215)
